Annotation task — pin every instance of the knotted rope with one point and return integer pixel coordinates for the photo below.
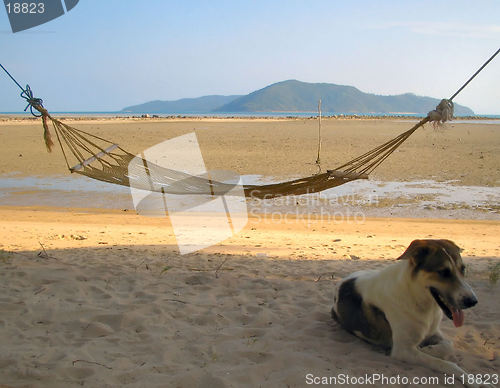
(27, 94)
(442, 113)
(36, 103)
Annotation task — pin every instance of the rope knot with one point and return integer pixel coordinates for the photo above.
(442, 113)
(37, 103)
(33, 102)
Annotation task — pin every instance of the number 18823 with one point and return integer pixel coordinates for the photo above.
(25, 8)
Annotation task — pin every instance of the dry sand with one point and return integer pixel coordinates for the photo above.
(114, 304)
(109, 301)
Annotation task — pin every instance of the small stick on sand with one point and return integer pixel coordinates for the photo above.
(92, 362)
(43, 253)
(331, 274)
(176, 300)
(219, 267)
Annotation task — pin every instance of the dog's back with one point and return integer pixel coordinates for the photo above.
(358, 317)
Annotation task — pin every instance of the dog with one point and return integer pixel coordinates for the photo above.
(401, 306)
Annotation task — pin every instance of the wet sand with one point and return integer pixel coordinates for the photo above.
(466, 153)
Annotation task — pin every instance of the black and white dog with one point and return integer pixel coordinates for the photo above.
(401, 306)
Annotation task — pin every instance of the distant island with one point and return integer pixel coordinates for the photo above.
(297, 96)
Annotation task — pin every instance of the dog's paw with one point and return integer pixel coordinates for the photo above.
(442, 350)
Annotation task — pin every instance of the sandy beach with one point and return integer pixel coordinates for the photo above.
(99, 296)
(465, 153)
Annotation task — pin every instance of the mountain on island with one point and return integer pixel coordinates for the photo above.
(192, 105)
(297, 96)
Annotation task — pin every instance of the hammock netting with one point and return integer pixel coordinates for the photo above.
(101, 159)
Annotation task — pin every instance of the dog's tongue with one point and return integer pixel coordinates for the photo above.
(458, 317)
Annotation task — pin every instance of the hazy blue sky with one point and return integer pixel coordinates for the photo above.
(106, 54)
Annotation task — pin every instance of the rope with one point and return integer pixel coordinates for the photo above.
(442, 113)
(27, 94)
(318, 160)
(474, 75)
(33, 102)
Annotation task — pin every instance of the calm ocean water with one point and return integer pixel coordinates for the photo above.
(236, 114)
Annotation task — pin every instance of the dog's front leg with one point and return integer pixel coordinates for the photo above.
(415, 356)
(405, 348)
(438, 346)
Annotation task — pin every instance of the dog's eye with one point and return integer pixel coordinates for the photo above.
(445, 273)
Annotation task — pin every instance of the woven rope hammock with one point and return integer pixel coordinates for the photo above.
(106, 161)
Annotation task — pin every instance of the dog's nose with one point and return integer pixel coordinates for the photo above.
(469, 301)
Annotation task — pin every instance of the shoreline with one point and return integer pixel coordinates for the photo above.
(91, 117)
(410, 199)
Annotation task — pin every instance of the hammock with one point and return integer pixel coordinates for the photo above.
(106, 161)
(101, 159)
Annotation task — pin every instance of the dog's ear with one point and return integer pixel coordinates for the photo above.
(416, 252)
(450, 245)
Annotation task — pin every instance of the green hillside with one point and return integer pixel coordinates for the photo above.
(193, 105)
(296, 96)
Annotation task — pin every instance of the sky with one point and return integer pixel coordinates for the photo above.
(105, 55)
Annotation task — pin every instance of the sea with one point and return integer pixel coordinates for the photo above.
(110, 114)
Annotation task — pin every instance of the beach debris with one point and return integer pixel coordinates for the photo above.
(354, 257)
(78, 237)
(327, 274)
(176, 300)
(43, 253)
(91, 362)
(219, 267)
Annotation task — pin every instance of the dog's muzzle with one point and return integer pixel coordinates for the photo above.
(452, 311)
